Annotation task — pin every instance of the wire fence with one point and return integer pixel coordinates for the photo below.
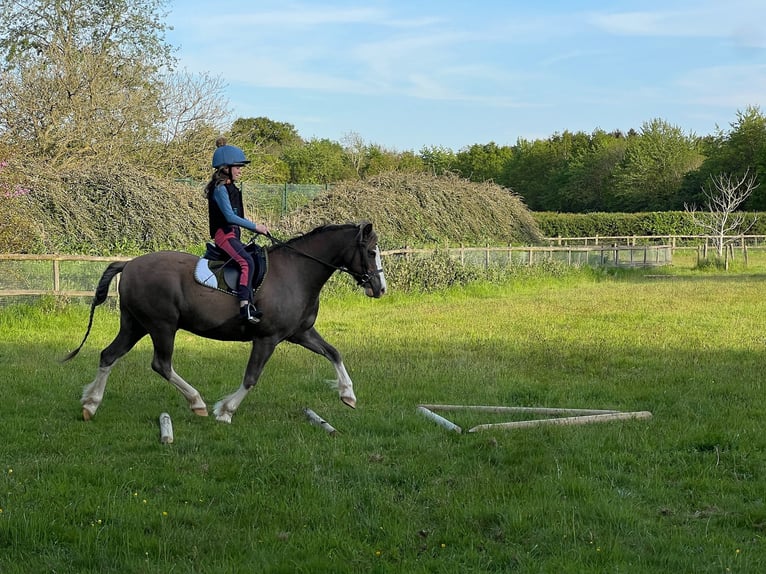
(23, 275)
(272, 199)
(75, 276)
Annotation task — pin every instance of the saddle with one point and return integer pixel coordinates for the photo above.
(216, 269)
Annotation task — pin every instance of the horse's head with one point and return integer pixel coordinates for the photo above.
(367, 266)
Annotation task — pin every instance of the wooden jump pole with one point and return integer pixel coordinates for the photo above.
(576, 420)
(166, 429)
(449, 425)
(316, 420)
(529, 410)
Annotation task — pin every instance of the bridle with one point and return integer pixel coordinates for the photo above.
(362, 279)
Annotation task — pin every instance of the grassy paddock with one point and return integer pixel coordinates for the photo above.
(393, 492)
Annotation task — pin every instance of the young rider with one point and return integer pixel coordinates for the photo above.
(226, 214)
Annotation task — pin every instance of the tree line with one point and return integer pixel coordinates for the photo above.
(86, 84)
(655, 168)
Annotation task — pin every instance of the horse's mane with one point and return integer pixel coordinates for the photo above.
(322, 229)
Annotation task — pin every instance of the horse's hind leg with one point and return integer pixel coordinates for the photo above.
(130, 333)
(261, 351)
(162, 364)
(313, 341)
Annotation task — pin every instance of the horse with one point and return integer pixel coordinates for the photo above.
(158, 295)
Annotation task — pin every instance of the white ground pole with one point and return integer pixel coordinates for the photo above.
(577, 420)
(440, 420)
(564, 416)
(316, 420)
(166, 429)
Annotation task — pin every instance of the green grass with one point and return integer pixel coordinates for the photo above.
(394, 492)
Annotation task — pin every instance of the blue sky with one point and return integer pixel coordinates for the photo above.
(409, 74)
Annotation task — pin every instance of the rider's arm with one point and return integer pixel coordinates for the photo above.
(221, 197)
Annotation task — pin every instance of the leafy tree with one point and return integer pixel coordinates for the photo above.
(740, 150)
(380, 160)
(590, 173)
(409, 162)
(654, 166)
(438, 159)
(317, 161)
(530, 172)
(79, 77)
(264, 141)
(262, 135)
(483, 162)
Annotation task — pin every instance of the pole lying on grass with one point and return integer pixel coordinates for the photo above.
(577, 420)
(316, 420)
(449, 425)
(166, 429)
(530, 410)
(562, 416)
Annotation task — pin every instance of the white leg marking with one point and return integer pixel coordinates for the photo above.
(227, 406)
(192, 395)
(93, 394)
(345, 386)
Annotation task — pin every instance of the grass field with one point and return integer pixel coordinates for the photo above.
(394, 492)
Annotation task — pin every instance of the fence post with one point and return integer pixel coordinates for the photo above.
(56, 276)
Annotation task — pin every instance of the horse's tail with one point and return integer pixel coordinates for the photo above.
(102, 290)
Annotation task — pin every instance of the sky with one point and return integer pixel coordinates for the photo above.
(408, 75)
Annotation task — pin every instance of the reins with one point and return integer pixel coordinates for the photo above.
(361, 279)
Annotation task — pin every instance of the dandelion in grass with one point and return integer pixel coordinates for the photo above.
(378, 553)
(164, 513)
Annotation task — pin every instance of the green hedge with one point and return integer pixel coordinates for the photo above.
(622, 224)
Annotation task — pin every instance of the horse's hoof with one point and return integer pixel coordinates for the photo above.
(224, 418)
(200, 412)
(349, 401)
(86, 415)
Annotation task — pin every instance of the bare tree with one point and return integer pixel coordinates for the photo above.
(194, 112)
(354, 148)
(721, 219)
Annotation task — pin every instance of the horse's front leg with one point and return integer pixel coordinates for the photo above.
(313, 341)
(260, 353)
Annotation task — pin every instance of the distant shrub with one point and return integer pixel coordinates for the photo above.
(102, 210)
(627, 224)
(418, 209)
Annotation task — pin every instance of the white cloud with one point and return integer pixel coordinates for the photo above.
(710, 19)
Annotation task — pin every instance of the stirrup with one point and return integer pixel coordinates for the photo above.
(251, 314)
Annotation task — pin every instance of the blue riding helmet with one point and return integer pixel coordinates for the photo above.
(228, 155)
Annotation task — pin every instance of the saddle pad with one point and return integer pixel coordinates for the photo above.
(225, 277)
(212, 277)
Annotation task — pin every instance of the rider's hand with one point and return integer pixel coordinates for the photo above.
(261, 228)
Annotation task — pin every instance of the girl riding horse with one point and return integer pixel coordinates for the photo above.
(226, 214)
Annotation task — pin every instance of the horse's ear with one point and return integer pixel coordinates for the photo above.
(366, 229)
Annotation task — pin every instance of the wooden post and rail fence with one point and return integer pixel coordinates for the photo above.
(76, 275)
